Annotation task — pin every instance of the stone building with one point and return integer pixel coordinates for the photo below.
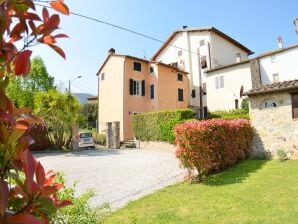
(274, 115)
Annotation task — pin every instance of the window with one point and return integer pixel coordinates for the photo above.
(179, 53)
(103, 76)
(219, 82)
(151, 91)
(273, 58)
(236, 104)
(205, 112)
(268, 104)
(137, 87)
(202, 43)
(294, 97)
(203, 62)
(180, 94)
(137, 66)
(179, 77)
(275, 78)
(151, 69)
(204, 89)
(193, 93)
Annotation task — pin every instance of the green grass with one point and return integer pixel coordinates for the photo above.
(255, 191)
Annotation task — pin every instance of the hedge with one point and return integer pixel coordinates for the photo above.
(159, 126)
(229, 115)
(212, 145)
(39, 133)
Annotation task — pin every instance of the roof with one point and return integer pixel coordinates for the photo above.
(265, 54)
(202, 29)
(138, 59)
(92, 98)
(274, 87)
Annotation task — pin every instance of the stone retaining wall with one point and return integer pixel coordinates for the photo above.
(274, 127)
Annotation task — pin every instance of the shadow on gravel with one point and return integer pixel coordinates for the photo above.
(78, 153)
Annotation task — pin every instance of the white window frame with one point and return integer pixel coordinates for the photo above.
(219, 82)
(137, 87)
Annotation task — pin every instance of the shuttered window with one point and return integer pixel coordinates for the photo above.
(151, 91)
(137, 66)
(295, 105)
(203, 62)
(137, 87)
(180, 94)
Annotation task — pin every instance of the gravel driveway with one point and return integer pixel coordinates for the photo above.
(118, 176)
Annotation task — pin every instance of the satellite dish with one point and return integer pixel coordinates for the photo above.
(241, 91)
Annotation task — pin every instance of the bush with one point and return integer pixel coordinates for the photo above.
(212, 145)
(281, 155)
(39, 133)
(159, 126)
(80, 211)
(245, 105)
(100, 139)
(229, 115)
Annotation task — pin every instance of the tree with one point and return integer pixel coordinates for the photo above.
(60, 111)
(89, 114)
(22, 89)
(28, 194)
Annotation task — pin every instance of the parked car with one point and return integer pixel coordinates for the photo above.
(86, 140)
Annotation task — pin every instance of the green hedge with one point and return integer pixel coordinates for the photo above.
(159, 126)
(229, 115)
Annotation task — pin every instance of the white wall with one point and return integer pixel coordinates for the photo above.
(234, 77)
(110, 96)
(286, 65)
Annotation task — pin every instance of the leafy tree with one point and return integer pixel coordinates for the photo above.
(245, 105)
(28, 194)
(22, 89)
(60, 111)
(89, 114)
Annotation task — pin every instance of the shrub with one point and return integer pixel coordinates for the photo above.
(80, 211)
(281, 155)
(229, 115)
(100, 139)
(159, 126)
(211, 145)
(245, 105)
(39, 134)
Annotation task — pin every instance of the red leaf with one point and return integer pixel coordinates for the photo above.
(60, 7)
(63, 203)
(48, 39)
(20, 111)
(24, 219)
(22, 63)
(61, 35)
(31, 16)
(5, 103)
(3, 196)
(45, 14)
(29, 168)
(40, 175)
(58, 50)
(24, 143)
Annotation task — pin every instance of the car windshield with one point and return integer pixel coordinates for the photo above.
(85, 135)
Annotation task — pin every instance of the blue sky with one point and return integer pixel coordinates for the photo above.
(255, 23)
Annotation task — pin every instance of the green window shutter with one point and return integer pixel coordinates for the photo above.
(131, 86)
(143, 87)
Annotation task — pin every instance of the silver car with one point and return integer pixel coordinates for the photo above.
(86, 140)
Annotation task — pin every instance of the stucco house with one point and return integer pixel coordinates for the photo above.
(225, 84)
(197, 50)
(129, 85)
(274, 115)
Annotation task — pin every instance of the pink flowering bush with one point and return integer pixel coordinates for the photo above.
(212, 145)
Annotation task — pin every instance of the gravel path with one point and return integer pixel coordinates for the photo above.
(117, 176)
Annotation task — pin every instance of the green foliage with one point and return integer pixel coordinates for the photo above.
(88, 114)
(80, 211)
(212, 145)
(245, 105)
(159, 126)
(100, 139)
(22, 89)
(281, 155)
(60, 112)
(230, 115)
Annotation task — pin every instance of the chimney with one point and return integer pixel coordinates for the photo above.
(279, 41)
(184, 27)
(238, 57)
(112, 51)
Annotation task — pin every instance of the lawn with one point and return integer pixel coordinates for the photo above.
(255, 191)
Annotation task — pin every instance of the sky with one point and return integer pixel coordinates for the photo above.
(255, 23)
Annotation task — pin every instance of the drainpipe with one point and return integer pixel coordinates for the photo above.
(189, 67)
(200, 80)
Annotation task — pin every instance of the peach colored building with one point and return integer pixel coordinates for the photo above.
(129, 85)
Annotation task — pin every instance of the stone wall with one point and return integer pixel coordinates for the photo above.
(274, 127)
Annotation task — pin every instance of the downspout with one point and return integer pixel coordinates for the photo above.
(189, 68)
(124, 94)
(200, 83)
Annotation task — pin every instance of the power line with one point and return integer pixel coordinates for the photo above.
(126, 29)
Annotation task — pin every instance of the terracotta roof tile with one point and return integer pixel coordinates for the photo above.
(274, 87)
